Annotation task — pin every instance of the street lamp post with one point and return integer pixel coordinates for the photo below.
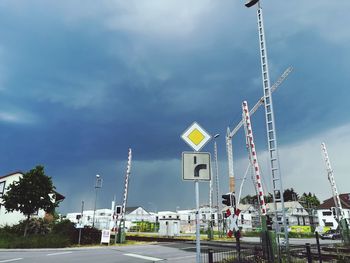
(98, 184)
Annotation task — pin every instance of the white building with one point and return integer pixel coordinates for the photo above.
(296, 214)
(248, 219)
(326, 211)
(137, 214)
(169, 224)
(12, 218)
(104, 218)
(188, 218)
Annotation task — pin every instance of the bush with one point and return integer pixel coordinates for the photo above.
(35, 226)
(300, 235)
(34, 241)
(42, 234)
(66, 228)
(89, 236)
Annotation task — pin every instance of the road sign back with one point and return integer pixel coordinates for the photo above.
(196, 166)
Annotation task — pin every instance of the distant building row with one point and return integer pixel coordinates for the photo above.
(171, 223)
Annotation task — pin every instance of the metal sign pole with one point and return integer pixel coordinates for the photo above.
(198, 239)
(192, 163)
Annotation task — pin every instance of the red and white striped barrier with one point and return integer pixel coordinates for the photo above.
(253, 156)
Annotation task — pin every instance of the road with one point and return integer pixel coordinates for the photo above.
(111, 254)
(174, 252)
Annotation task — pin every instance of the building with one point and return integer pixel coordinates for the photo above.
(249, 218)
(12, 218)
(169, 224)
(187, 218)
(326, 212)
(137, 214)
(105, 219)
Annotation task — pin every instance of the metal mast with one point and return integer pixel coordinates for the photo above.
(271, 134)
(217, 183)
(332, 182)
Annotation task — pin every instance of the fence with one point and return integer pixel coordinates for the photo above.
(305, 253)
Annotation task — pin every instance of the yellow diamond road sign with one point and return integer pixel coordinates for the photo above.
(195, 136)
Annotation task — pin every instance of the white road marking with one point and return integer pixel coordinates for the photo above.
(58, 253)
(144, 257)
(10, 260)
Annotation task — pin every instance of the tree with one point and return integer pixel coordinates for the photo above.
(249, 199)
(253, 199)
(32, 192)
(309, 200)
(290, 195)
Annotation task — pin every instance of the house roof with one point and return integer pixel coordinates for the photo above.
(59, 197)
(131, 209)
(245, 207)
(329, 203)
(7, 175)
(288, 204)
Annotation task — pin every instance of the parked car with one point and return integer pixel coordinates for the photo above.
(331, 234)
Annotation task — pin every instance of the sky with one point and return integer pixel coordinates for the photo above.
(83, 81)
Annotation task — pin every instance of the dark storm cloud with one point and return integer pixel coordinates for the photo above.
(81, 82)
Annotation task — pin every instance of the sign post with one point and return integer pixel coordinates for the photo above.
(196, 167)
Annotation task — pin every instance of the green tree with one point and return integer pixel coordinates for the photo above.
(309, 200)
(32, 192)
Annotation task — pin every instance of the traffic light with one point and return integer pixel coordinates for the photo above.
(269, 222)
(118, 210)
(229, 199)
(251, 3)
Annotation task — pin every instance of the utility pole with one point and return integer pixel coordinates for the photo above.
(81, 219)
(98, 184)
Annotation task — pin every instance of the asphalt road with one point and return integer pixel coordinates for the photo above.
(173, 252)
(111, 254)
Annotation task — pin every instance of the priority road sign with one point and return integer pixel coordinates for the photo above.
(195, 136)
(196, 166)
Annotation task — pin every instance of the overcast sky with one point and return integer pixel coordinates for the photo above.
(82, 81)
